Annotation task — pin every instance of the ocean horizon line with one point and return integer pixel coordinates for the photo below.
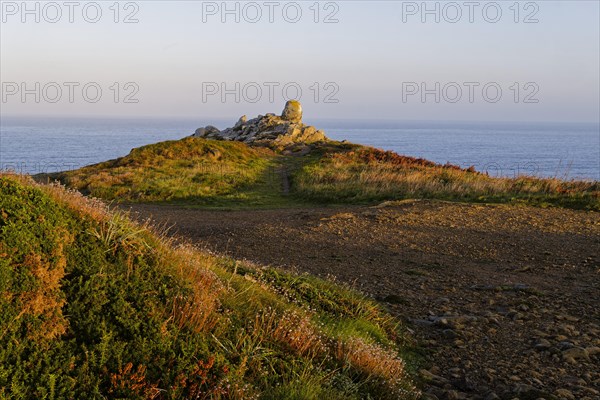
(360, 123)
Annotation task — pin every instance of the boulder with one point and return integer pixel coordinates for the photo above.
(207, 131)
(241, 122)
(292, 111)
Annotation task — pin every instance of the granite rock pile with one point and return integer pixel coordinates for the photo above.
(270, 129)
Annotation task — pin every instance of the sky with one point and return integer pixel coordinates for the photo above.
(379, 60)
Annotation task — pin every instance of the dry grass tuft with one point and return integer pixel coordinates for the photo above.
(198, 310)
(298, 333)
(371, 359)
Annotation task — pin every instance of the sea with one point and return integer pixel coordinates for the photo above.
(562, 150)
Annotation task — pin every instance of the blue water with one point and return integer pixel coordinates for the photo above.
(568, 151)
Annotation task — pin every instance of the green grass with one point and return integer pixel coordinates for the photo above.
(93, 305)
(203, 173)
(191, 171)
(363, 175)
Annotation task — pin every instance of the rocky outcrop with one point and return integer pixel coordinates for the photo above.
(270, 129)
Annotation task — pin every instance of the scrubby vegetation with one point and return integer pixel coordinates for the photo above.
(200, 172)
(363, 174)
(93, 305)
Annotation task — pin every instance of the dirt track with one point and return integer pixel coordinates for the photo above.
(504, 300)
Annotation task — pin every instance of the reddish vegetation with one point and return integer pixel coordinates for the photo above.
(130, 381)
(371, 155)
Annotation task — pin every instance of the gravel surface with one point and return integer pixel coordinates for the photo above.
(504, 300)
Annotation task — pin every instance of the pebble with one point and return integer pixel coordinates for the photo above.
(565, 345)
(576, 353)
(592, 351)
(449, 333)
(492, 396)
(433, 378)
(564, 394)
(542, 344)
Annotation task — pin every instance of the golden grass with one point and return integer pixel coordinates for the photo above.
(190, 168)
(370, 359)
(298, 333)
(198, 310)
(370, 174)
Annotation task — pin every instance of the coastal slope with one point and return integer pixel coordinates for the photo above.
(230, 174)
(95, 305)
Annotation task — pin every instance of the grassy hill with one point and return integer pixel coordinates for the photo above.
(191, 169)
(93, 305)
(211, 173)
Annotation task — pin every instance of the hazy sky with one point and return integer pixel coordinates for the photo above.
(371, 60)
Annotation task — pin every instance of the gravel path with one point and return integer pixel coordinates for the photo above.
(505, 301)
